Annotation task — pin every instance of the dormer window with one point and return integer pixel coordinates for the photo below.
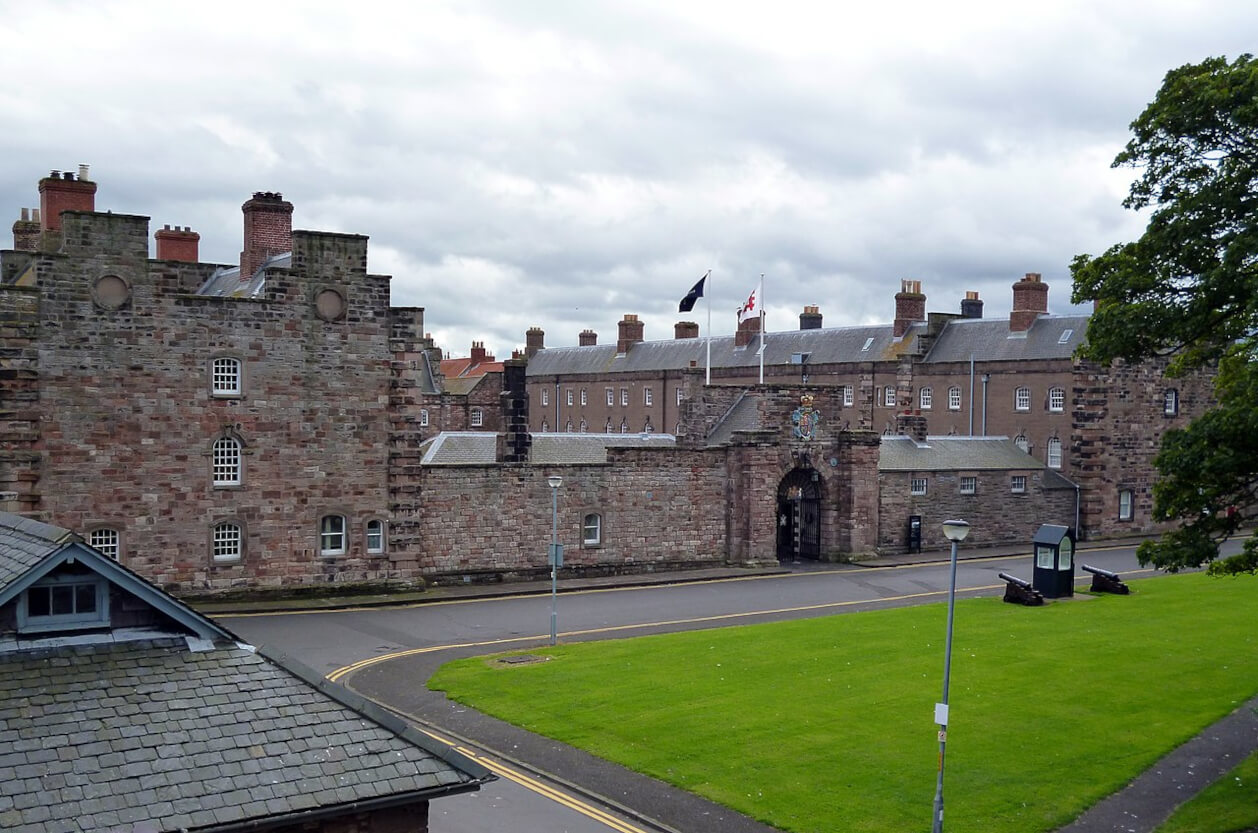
(72, 601)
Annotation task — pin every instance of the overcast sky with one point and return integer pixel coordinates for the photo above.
(560, 164)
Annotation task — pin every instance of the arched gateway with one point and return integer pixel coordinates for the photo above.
(799, 515)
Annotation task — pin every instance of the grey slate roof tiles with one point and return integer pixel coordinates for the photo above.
(25, 542)
(990, 340)
(478, 448)
(150, 736)
(900, 453)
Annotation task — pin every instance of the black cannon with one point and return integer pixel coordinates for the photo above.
(1103, 581)
(1020, 591)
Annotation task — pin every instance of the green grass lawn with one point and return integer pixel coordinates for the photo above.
(1227, 806)
(827, 724)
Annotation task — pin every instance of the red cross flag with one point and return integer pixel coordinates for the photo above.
(751, 309)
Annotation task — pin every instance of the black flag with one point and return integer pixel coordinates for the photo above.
(688, 303)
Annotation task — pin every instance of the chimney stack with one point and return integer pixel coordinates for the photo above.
(268, 230)
(534, 340)
(587, 338)
(177, 243)
(1030, 301)
(910, 306)
(62, 192)
(911, 424)
(971, 306)
(630, 330)
(478, 352)
(26, 231)
(685, 329)
(747, 331)
(810, 319)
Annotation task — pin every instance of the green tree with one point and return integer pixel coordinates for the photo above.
(1187, 290)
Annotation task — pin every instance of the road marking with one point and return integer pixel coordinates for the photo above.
(851, 568)
(339, 673)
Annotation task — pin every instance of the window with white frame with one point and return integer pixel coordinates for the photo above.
(608, 428)
(585, 426)
(545, 396)
(545, 426)
(969, 485)
(226, 377)
(107, 541)
(583, 402)
(924, 397)
(680, 397)
(568, 427)
(1022, 399)
(375, 536)
(1052, 457)
(646, 395)
(227, 461)
(848, 397)
(954, 398)
(478, 418)
(1023, 443)
(1017, 484)
(611, 396)
(1124, 504)
(888, 396)
(423, 417)
(226, 543)
(1170, 402)
(592, 530)
(648, 428)
(917, 486)
(569, 397)
(1057, 400)
(624, 426)
(67, 601)
(624, 397)
(332, 535)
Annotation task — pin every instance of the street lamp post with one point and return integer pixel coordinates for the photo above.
(954, 531)
(555, 482)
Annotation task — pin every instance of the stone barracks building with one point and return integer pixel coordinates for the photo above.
(277, 422)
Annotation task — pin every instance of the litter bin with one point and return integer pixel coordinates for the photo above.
(1054, 571)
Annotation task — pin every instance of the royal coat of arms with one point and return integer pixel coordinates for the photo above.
(805, 418)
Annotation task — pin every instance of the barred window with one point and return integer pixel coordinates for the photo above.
(969, 485)
(106, 541)
(917, 486)
(847, 396)
(225, 377)
(227, 457)
(227, 543)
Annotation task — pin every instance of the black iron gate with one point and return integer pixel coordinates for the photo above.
(799, 516)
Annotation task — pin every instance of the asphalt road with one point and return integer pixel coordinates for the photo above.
(388, 654)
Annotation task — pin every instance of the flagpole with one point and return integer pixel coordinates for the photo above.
(707, 298)
(762, 328)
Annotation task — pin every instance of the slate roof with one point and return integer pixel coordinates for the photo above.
(742, 416)
(841, 344)
(478, 448)
(990, 340)
(226, 281)
(900, 453)
(152, 736)
(24, 543)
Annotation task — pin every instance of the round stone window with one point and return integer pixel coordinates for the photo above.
(110, 292)
(330, 305)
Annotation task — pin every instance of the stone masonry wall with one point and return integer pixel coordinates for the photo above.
(129, 419)
(660, 508)
(996, 514)
(1119, 419)
(19, 398)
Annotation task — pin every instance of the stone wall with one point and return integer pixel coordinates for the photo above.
(129, 418)
(1119, 419)
(996, 514)
(659, 508)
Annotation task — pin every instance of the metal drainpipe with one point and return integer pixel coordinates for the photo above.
(986, 377)
(556, 403)
(971, 429)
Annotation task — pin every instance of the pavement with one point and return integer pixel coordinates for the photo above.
(1140, 807)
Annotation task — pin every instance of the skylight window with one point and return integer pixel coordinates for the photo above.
(1065, 336)
(868, 343)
